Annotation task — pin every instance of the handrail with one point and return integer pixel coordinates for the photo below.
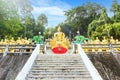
(45, 48)
(25, 70)
(6, 50)
(17, 44)
(73, 49)
(92, 70)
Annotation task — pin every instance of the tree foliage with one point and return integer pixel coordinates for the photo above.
(80, 17)
(115, 8)
(9, 19)
(90, 19)
(104, 26)
(17, 20)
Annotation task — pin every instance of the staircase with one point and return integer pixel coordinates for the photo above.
(58, 67)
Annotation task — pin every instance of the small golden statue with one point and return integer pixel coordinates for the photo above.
(96, 41)
(59, 43)
(112, 41)
(116, 41)
(104, 41)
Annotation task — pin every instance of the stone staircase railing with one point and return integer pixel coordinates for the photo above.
(25, 70)
(92, 70)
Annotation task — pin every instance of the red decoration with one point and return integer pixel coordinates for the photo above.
(59, 50)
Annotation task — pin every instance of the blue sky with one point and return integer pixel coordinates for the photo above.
(54, 9)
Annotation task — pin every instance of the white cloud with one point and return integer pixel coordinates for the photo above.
(53, 21)
(53, 9)
(49, 10)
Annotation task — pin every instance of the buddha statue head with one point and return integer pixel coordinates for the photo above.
(111, 37)
(97, 38)
(104, 37)
(59, 29)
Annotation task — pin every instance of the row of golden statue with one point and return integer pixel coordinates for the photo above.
(59, 42)
(28, 41)
(104, 41)
(19, 41)
(59, 38)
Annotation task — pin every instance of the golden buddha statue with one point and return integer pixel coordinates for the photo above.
(18, 41)
(104, 41)
(112, 41)
(2, 42)
(116, 41)
(59, 35)
(6, 41)
(59, 40)
(96, 41)
(12, 41)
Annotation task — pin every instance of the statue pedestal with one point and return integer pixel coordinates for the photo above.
(59, 50)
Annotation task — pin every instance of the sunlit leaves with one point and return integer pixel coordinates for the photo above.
(80, 17)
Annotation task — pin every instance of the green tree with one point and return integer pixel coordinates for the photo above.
(9, 19)
(42, 19)
(40, 24)
(116, 30)
(115, 8)
(25, 13)
(104, 17)
(80, 17)
(96, 26)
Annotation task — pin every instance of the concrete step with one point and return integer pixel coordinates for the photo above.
(72, 59)
(59, 56)
(59, 73)
(73, 70)
(35, 78)
(59, 67)
(60, 63)
(60, 76)
(56, 61)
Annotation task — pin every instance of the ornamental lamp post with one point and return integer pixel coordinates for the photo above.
(39, 33)
(78, 32)
(108, 33)
(49, 34)
(23, 22)
(70, 35)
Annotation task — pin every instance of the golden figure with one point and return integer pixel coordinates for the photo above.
(2, 42)
(116, 41)
(11, 41)
(112, 41)
(104, 41)
(96, 41)
(59, 39)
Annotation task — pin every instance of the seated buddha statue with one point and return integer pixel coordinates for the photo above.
(12, 41)
(112, 41)
(59, 40)
(59, 35)
(116, 41)
(104, 41)
(2, 41)
(96, 41)
(19, 41)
